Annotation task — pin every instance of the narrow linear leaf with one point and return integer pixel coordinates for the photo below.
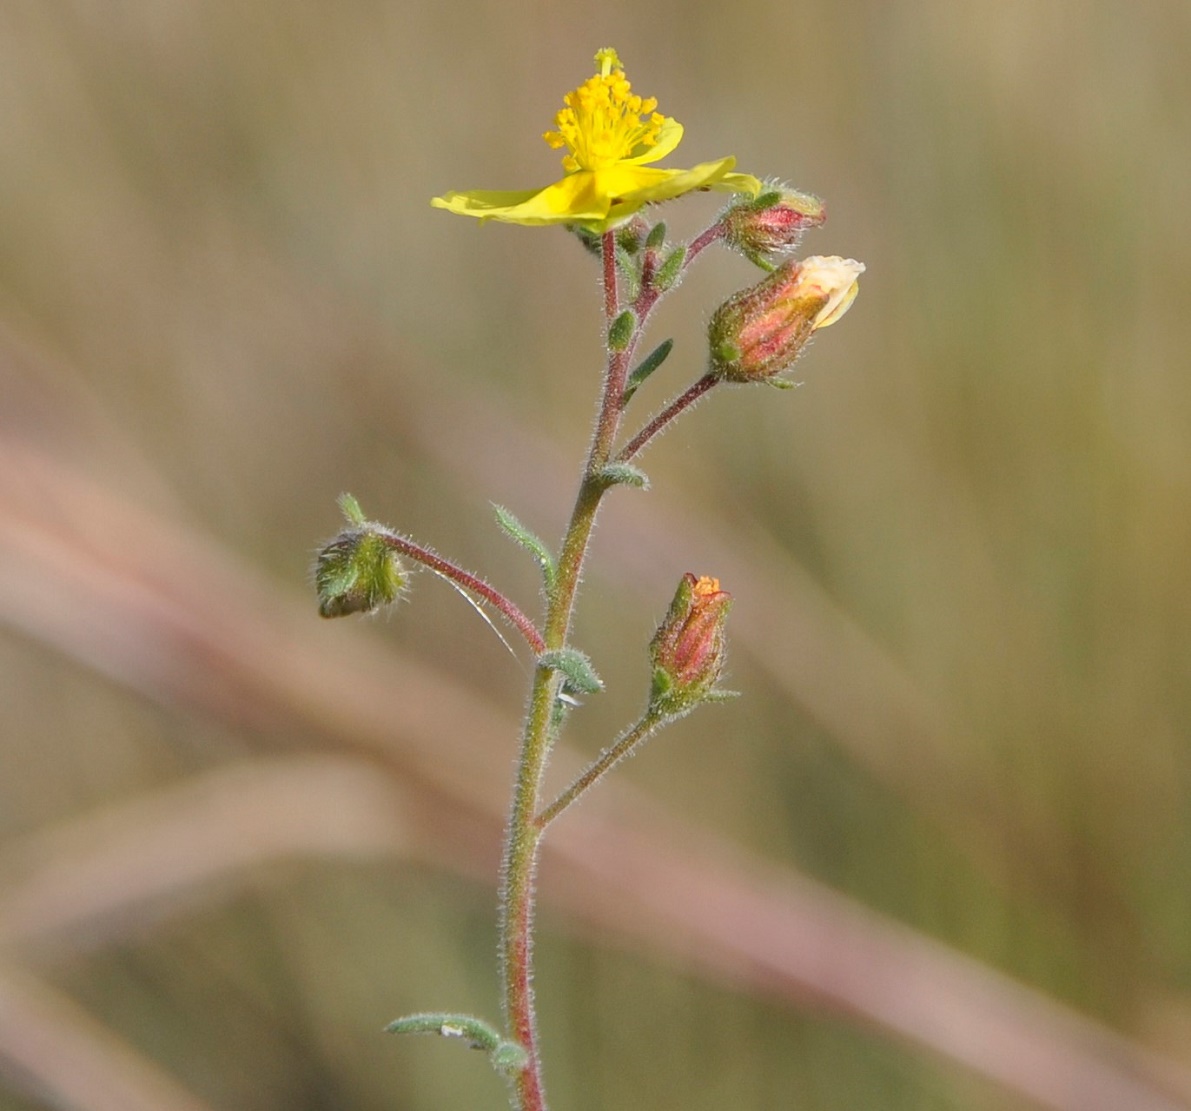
(575, 667)
(478, 1033)
(646, 367)
(506, 1057)
(670, 269)
(624, 474)
(529, 541)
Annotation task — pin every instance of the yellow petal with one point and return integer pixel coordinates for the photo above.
(739, 183)
(667, 139)
(574, 199)
(478, 202)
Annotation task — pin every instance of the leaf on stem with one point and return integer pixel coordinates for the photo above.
(507, 1057)
(623, 474)
(575, 667)
(669, 271)
(530, 541)
(620, 334)
(645, 368)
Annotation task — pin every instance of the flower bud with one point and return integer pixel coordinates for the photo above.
(357, 572)
(760, 331)
(772, 224)
(687, 651)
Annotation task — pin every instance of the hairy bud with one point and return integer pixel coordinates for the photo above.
(759, 332)
(687, 651)
(771, 225)
(358, 571)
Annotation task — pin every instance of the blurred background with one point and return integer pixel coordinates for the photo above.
(959, 552)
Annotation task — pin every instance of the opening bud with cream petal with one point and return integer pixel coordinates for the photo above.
(760, 331)
(770, 226)
(687, 651)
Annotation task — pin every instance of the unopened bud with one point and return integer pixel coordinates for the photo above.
(771, 225)
(759, 332)
(357, 572)
(687, 651)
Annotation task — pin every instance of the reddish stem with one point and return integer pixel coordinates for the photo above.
(679, 405)
(706, 239)
(523, 835)
(470, 582)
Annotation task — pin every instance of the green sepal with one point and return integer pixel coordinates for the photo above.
(765, 200)
(759, 260)
(656, 237)
(507, 1057)
(645, 368)
(620, 334)
(530, 541)
(623, 474)
(668, 272)
(350, 508)
(575, 668)
(782, 384)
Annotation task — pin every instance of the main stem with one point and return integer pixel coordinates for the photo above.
(523, 835)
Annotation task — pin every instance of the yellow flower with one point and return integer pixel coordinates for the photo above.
(611, 136)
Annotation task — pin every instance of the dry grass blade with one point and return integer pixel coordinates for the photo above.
(55, 1051)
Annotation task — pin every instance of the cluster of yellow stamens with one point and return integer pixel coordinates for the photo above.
(602, 122)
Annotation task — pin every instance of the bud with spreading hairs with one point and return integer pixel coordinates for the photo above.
(770, 226)
(759, 332)
(687, 651)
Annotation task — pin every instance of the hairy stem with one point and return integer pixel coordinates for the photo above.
(472, 583)
(523, 835)
(596, 770)
(676, 407)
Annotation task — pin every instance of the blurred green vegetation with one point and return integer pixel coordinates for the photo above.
(214, 229)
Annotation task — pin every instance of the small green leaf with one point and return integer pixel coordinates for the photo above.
(529, 541)
(506, 1057)
(646, 367)
(479, 1034)
(782, 384)
(509, 1058)
(575, 667)
(621, 331)
(656, 237)
(669, 271)
(350, 508)
(624, 474)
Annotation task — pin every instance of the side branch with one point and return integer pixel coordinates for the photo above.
(471, 583)
(676, 407)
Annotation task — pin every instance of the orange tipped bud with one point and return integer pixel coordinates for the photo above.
(687, 651)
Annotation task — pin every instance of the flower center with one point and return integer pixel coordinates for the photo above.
(602, 122)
